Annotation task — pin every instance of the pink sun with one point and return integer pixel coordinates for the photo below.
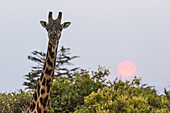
(126, 69)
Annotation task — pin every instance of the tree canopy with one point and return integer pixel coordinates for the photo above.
(89, 93)
(75, 91)
(64, 67)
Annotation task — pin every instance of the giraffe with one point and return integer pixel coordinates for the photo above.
(41, 97)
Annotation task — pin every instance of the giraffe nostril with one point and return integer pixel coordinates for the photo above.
(50, 35)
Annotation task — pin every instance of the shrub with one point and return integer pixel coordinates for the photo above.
(14, 102)
(69, 94)
(127, 97)
(90, 93)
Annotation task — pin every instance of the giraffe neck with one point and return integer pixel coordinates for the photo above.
(40, 101)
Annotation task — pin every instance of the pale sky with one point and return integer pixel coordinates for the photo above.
(103, 32)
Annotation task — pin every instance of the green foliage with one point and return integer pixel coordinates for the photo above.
(14, 102)
(69, 94)
(127, 97)
(61, 69)
(90, 93)
(167, 93)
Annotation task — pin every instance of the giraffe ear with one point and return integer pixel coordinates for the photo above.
(65, 25)
(43, 23)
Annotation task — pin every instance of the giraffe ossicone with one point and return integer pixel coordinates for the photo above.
(41, 97)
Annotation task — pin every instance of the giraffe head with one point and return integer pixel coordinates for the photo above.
(54, 27)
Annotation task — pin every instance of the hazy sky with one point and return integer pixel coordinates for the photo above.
(103, 32)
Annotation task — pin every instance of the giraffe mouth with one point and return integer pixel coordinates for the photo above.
(53, 41)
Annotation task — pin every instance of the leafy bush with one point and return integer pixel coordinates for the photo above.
(14, 102)
(90, 93)
(127, 97)
(68, 94)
